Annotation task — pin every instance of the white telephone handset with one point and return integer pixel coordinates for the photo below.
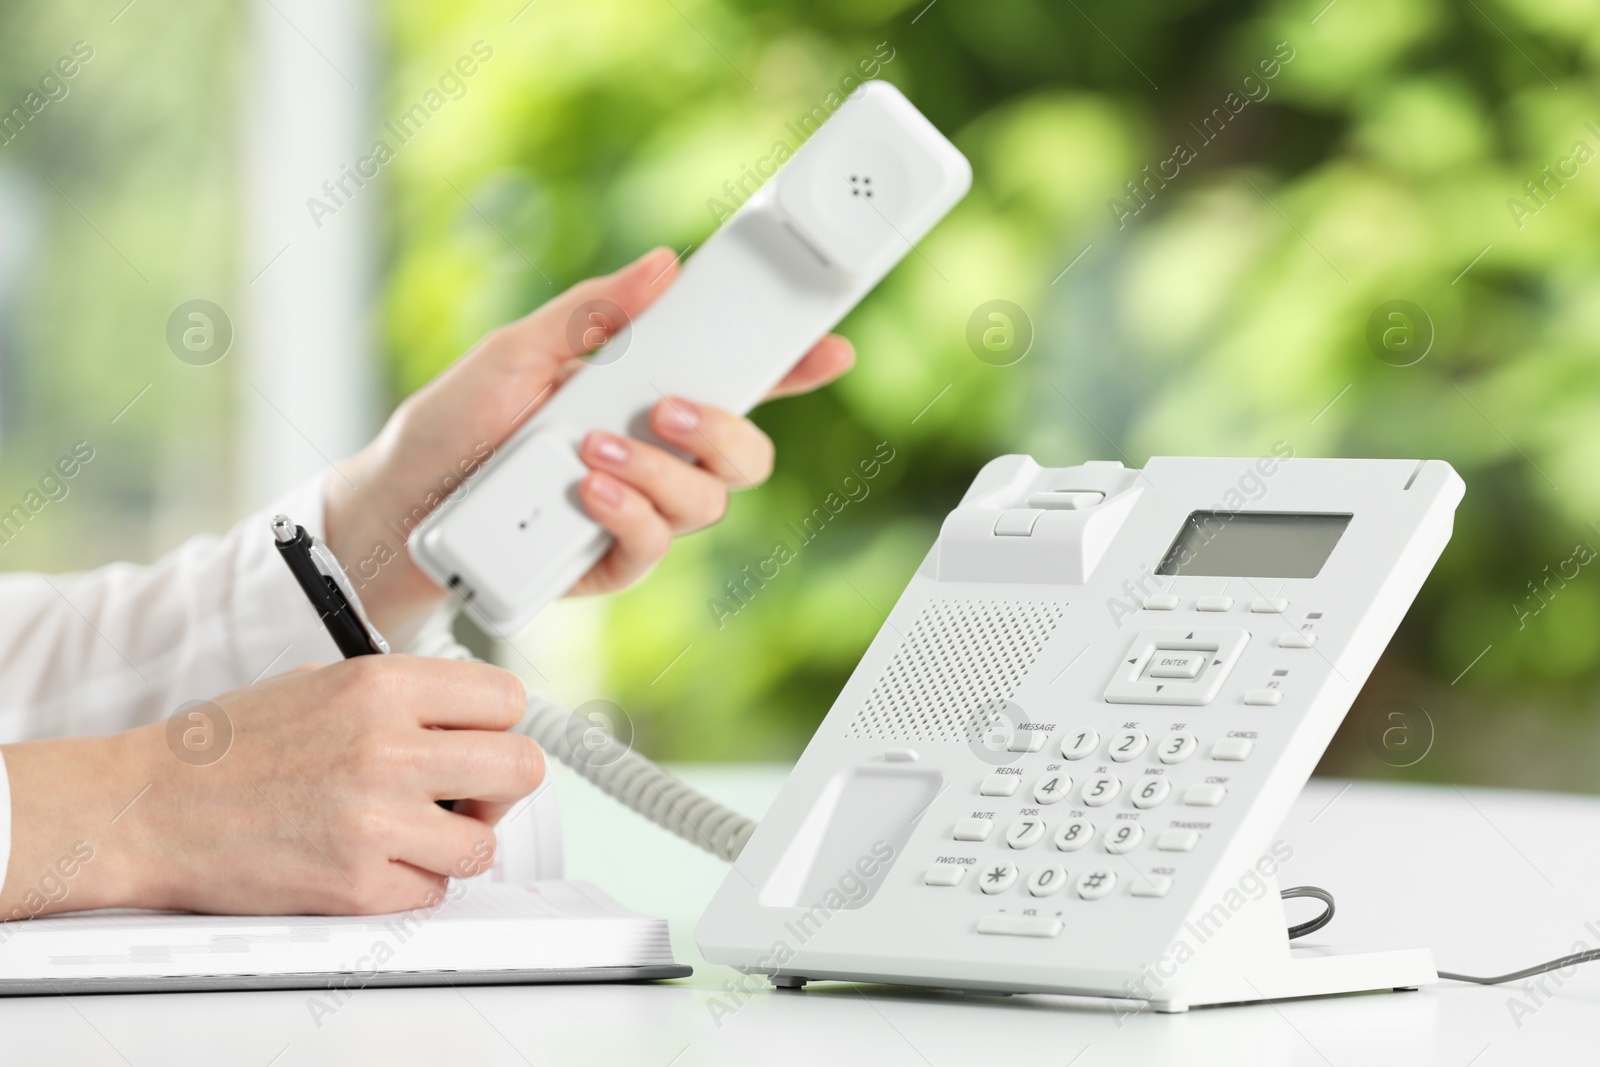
(758, 294)
(1059, 766)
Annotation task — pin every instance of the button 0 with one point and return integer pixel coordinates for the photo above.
(1161, 602)
(1020, 925)
(1164, 664)
(1205, 796)
(1233, 748)
(1000, 785)
(1047, 881)
(997, 879)
(1214, 603)
(974, 829)
(1152, 885)
(1296, 639)
(945, 874)
(1178, 840)
(1269, 605)
(1266, 698)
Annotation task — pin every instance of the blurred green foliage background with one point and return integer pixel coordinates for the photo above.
(1384, 160)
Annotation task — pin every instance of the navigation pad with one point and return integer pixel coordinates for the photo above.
(1176, 666)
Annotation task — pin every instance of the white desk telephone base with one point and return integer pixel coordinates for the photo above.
(1060, 765)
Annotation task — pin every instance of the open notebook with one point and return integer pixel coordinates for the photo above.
(485, 933)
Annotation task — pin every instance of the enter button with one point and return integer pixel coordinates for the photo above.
(1164, 664)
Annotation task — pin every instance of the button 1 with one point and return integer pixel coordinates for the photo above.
(1051, 788)
(1101, 790)
(1079, 744)
(1296, 639)
(1129, 744)
(1025, 832)
(1165, 664)
(1214, 603)
(973, 829)
(1074, 835)
(1233, 748)
(1176, 747)
(1096, 883)
(999, 878)
(1205, 796)
(1266, 698)
(1161, 602)
(1000, 785)
(1048, 880)
(1026, 741)
(945, 874)
(1269, 605)
(1124, 837)
(1151, 791)
(1178, 840)
(1020, 925)
(1151, 885)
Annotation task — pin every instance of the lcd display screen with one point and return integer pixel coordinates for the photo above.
(1253, 544)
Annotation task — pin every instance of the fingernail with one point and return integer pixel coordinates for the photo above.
(606, 489)
(680, 415)
(608, 448)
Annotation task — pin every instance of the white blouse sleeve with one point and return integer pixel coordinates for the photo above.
(109, 649)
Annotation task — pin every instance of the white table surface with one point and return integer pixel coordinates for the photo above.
(1490, 880)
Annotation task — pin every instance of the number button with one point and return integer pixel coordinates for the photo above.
(1096, 883)
(1025, 833)
(1129, 744)
(1152, 792)
(1079, 744)
(1051, 788)
(1177, 747)
(1047, 880)
(999, 878)
(1101, 790)
(1074, 835)
(1124, 837)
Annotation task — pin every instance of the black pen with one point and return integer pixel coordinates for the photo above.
(332, 596)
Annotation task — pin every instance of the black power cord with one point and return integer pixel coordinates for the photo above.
(1310, 926)
(1302, 929)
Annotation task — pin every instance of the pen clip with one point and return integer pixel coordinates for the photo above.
(328, 566)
